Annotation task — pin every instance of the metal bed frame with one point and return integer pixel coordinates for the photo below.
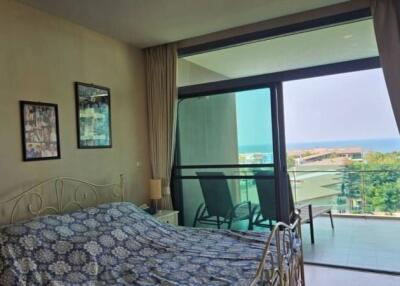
(284, 269)
(70, 194)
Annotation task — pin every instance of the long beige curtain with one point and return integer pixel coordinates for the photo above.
(387, 29)
(160, 63)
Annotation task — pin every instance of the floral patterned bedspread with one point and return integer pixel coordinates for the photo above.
(118, 244)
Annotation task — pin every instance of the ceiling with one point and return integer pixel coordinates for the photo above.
(144, 23)
(322, 46)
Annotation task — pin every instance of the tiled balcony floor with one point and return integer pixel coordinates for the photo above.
(327, 276)
(355, 242)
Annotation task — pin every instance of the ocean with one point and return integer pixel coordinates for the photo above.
(386, 145)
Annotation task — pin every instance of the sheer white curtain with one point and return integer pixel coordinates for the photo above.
(387, 29)
(160, 63)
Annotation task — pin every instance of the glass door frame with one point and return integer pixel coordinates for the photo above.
(274, 82)
(276, 78)
(279, 152)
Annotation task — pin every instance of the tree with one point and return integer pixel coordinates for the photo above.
(385, 197)
(352, 181)
(291, 161)
(377, 178)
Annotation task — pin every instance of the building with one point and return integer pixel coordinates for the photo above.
(332, 156)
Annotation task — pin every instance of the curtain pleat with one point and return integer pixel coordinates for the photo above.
(160, 64)
(386, 15)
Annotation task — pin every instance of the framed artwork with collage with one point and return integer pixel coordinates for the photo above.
(40, 133)
(40, 129)
(93, 116)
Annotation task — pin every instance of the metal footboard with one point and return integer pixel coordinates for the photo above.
(282, 260)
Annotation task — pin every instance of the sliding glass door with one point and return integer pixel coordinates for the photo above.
(343, 154)
(228, 159)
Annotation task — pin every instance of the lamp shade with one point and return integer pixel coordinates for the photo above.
(155, 189)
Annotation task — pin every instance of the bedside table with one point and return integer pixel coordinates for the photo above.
(167, 216)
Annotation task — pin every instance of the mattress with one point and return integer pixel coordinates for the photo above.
(119, 244)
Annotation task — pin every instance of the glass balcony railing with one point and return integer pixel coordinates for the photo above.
(349, 192)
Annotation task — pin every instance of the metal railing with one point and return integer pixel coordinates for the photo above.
(369, 192)
(346, 191)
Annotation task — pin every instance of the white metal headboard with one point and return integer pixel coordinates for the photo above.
(62, 194)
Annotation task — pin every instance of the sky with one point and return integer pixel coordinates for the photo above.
(349, 106)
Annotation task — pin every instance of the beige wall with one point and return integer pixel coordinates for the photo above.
(40, 58)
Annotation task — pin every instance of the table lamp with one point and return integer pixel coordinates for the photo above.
(155, 191)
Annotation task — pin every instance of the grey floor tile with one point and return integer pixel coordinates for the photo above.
(325, 276)
(363, 243)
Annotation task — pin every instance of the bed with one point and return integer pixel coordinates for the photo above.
(115, 243)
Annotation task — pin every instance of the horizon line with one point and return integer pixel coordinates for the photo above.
(327, 141)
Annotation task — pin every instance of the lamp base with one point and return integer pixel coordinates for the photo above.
(154, 204)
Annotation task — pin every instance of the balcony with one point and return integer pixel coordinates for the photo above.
(366, 207)
(365, 204)
(365, 193)
(358, 242)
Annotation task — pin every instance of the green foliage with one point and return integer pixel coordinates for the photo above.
(384, 198)
(291, 161)
(378, 182)
(340, 200)
(352, 181)
(307, 153)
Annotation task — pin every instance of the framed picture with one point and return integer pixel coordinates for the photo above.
(93, 116)
(40, 135)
